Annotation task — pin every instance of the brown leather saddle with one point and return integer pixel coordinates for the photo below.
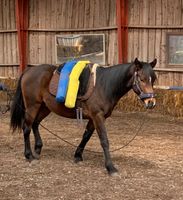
(53, 85)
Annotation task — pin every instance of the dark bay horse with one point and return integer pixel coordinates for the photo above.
(33, 102)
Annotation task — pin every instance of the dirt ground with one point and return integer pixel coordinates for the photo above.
(150, 167)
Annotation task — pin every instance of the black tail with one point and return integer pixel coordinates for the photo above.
(17, 108)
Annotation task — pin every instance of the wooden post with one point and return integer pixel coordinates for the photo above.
(22, 26)
(122, 29)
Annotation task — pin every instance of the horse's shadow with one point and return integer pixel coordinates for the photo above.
(95, 160)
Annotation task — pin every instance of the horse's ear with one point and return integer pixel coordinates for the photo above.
(137, 64)
(153, 63)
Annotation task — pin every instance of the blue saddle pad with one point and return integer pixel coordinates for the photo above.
(64, 80)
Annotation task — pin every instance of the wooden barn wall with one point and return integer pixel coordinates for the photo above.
(149, 21)
(51, 17)
(8, 39)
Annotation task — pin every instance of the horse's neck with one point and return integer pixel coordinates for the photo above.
(119, 80)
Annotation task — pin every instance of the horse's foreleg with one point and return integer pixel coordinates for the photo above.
(86, 137)
(102, 133)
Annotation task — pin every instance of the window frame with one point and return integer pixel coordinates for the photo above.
(169, 64)
(82, 34)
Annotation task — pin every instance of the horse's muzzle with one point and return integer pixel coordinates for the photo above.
(150, 103)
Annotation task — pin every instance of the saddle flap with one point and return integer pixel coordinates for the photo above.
(53, 86)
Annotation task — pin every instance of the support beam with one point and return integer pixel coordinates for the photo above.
(22, 26)
(122, 29)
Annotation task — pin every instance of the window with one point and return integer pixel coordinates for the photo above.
(175, 49)
(80, 46)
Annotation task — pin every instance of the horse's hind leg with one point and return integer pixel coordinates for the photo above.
(38, 140)
(30, 115)
(27, 152)
(86, 136)
(43, 112)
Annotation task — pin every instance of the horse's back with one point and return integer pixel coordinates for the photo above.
(35, 80)
(34, 75)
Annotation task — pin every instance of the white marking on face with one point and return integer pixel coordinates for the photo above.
(150, 79)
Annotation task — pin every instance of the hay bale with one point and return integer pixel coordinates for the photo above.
(170, 102)
(11, 83)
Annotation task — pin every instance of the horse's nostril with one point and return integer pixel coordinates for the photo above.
(150, 104)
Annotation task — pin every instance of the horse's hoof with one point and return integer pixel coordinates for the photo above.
(114, 174)
(78, 159)
(29, 157)
(112, 171)
(36, 156)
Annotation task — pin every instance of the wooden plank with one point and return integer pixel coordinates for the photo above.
(68, 13)
(130, 12)
(4, 15)
(136, 43)
(130, 45)
(2, 48)
(42, 49)
(158, 33)
(144, 33)
(47, 46)
(86, 15)
(90, 14)
(42, 16)
(9, 49)
(101, 21)
(8, 15)
(177, 13)
(12, 35)
(170, 11)
(163, 50)
(151, 37)
(74, 14)
(82, 13)
(12, 14)
(131, 31)
(33, 48)
(136, 17)
(1, 14)
(165, 13)
(97, 16)
(54, 13)
(5, 50)
(30, 52)
(137, 12)
(14, 51)
(64, 15)
(108, 13)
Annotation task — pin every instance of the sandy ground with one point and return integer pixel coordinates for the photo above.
(150, 167)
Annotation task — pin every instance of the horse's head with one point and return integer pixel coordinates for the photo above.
(143, 81)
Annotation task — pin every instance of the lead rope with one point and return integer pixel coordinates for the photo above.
(144, 120)
(73, 145)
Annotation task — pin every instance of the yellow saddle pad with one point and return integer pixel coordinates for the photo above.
(73, 86)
